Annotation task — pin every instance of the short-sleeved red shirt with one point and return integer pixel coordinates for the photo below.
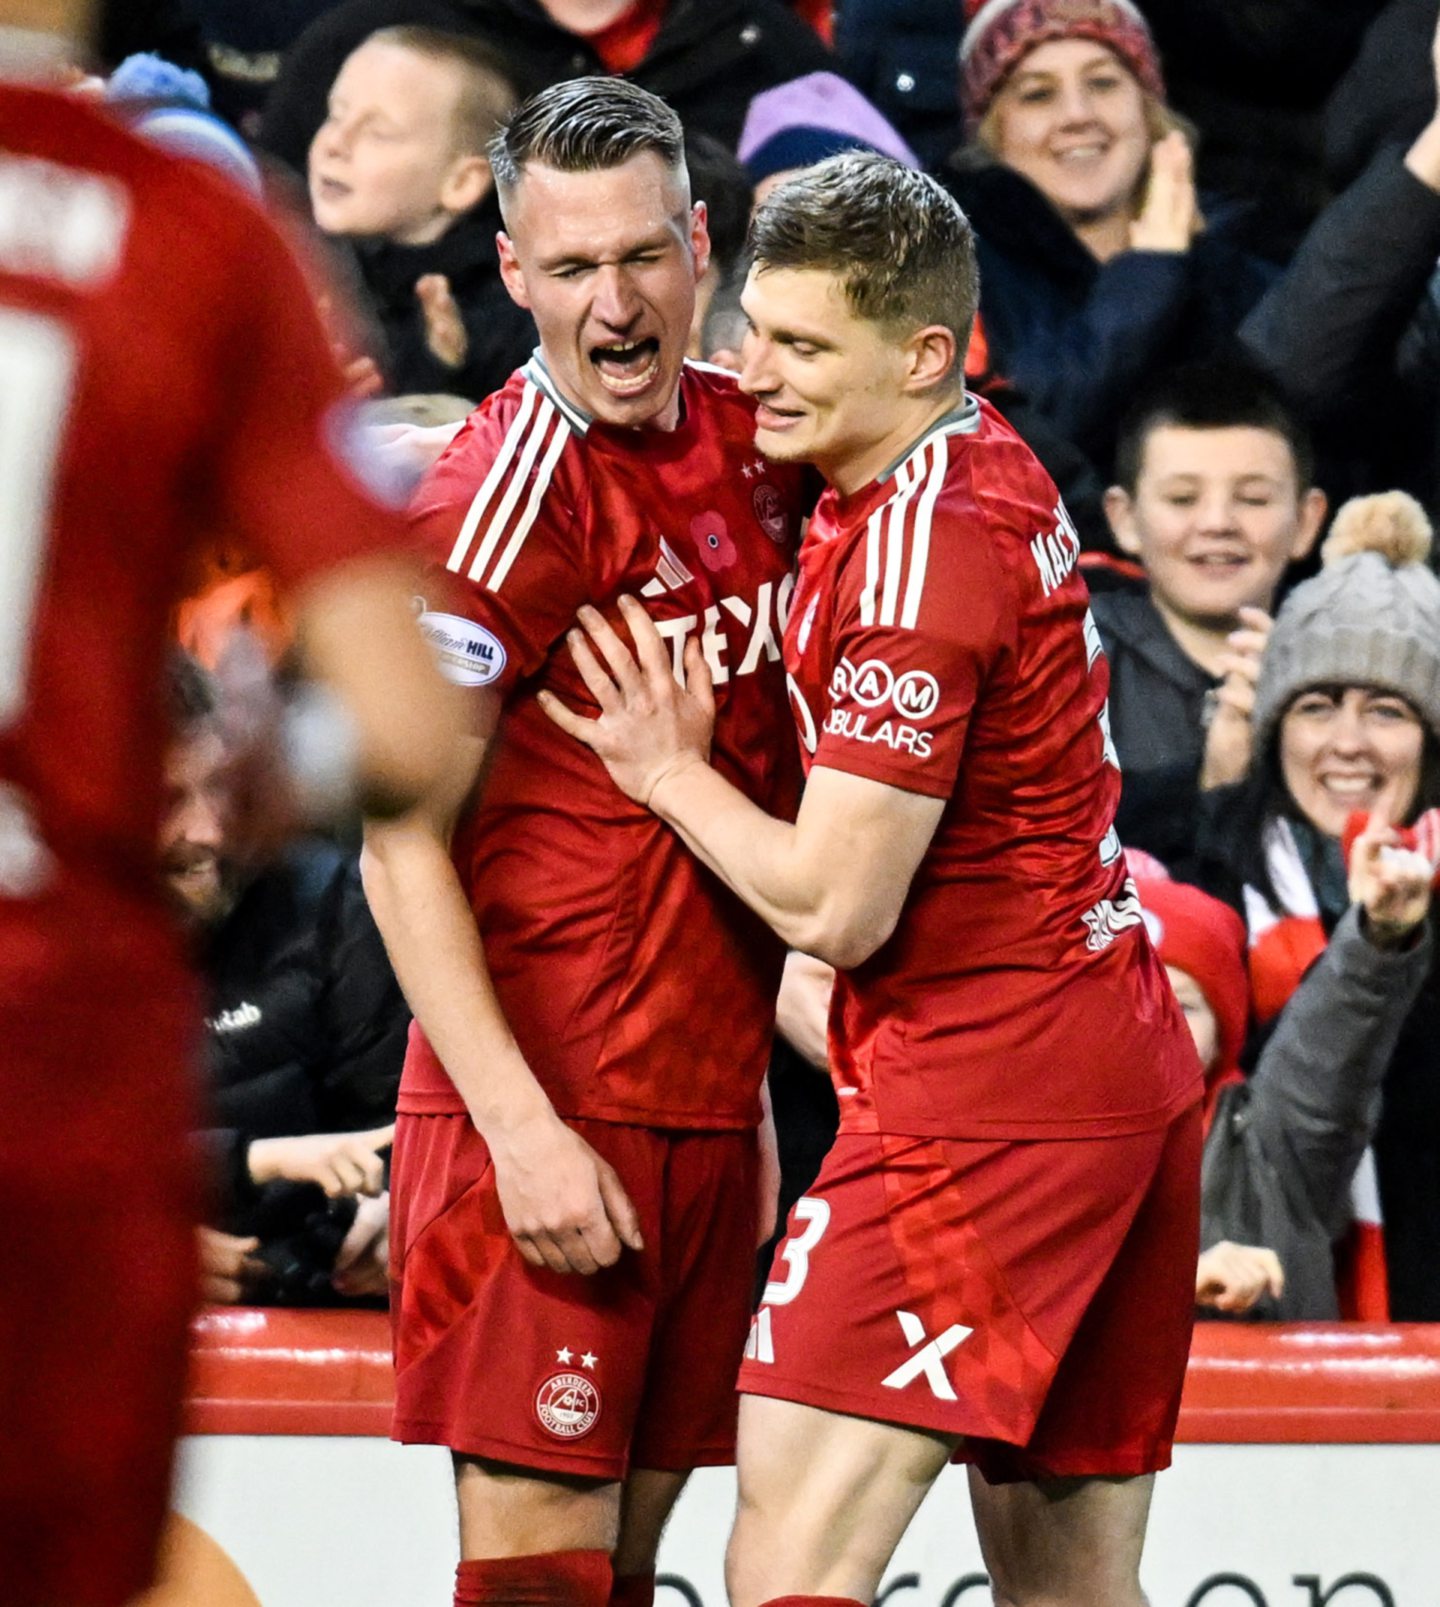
(163, 378)
(940, 642)
(638, 987)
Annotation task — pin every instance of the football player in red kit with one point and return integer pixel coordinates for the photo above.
(997, 1257)
(161, 375)
(575, 1174)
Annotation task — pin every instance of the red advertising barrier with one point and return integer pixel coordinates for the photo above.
(328, 1373)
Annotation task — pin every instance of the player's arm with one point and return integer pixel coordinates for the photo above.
(397, 717)
(832, 884)
(563, 1204)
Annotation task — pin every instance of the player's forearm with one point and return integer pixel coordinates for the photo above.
(435, 948)
(765, 861)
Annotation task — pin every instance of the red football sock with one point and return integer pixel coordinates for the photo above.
(554, 1579)
(812, 1601)
(633, 1590)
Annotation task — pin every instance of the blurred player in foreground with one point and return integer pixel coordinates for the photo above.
(161, 377)
(997, 1258)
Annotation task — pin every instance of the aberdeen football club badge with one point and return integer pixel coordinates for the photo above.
(568, 1405)
(770, 511)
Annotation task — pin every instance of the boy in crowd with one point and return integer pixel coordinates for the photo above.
(1215, 500)
(399, 169)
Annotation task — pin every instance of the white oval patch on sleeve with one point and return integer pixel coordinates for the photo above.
(467, 653)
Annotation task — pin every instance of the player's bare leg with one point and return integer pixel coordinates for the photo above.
(508, 1511)
(824, 1499)
(532, 1536)
(646, 1502)
(1063, 1542)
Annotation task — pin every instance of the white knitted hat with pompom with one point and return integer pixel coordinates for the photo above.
(1371, 617)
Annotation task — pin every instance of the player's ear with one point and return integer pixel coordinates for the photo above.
(510, 273)
(700, 239)
(1120, 512)
(932, 356)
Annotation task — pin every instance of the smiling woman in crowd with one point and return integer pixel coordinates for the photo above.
(1346, 720)
(1098, 265)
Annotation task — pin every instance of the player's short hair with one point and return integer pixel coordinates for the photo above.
(487, 92)
(587, 125)
(901, 247)
(1218, 394)
(191, 696)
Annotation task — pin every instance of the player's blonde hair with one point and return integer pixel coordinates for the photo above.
(587, 125)
(898, 242)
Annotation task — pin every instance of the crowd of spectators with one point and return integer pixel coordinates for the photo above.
(1209, 233)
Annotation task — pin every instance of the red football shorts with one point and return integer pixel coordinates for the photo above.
(631, 1367)
(100, 1281)
(1036, 1298)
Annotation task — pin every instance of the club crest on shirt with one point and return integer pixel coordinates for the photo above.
(770, 511)
(567, 1405)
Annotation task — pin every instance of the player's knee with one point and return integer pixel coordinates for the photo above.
(513, 1511)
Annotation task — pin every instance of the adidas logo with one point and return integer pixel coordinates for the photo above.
(670, 573)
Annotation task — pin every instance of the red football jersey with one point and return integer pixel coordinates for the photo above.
(163, 377)
(638, 987)
(940, 641)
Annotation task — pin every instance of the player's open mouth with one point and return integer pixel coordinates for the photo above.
(626, 367)
(331, 189)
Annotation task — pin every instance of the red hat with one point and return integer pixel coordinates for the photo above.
(999, 33)
(1204, 938)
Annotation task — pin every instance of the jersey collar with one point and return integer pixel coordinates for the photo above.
(963, 419)
(540, 377)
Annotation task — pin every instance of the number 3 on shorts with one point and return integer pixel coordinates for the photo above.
(795, 1252)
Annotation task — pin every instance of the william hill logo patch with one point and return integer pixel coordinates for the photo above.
(467, 654)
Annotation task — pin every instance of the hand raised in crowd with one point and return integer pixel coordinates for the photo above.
(362, 1263)
(341, 1163)
(1232, 1277)
(1228, 737)
(1391, 883)
(564, 1205)
(649, 726)
(1170, 218)
(228, 1268)
(1423, 157)
(362, 374)
(444, 327)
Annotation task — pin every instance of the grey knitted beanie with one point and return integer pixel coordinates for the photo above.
(1371, 617)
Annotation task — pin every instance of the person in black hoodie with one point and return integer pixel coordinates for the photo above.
(398, 171)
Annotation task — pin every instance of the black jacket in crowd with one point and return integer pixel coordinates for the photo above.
(501, 334)
(305, 1023)
(708, 60)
